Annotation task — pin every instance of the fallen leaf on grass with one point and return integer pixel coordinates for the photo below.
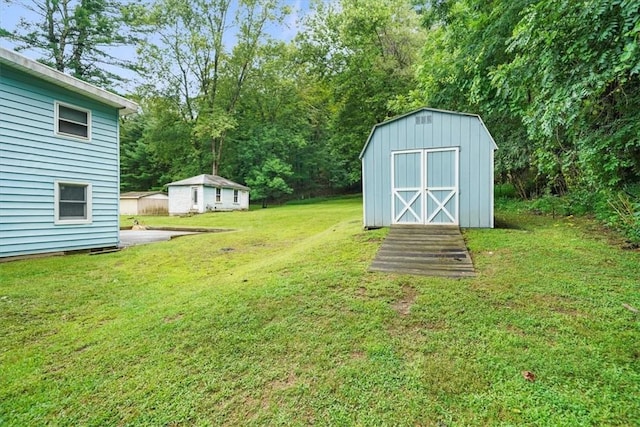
(529, 376)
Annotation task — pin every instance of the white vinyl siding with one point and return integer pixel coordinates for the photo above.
(72, 121)
(72, 203)
(180, 201)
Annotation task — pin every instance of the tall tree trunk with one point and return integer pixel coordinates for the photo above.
(214, 167)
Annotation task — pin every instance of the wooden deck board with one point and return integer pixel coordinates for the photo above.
(432, 250)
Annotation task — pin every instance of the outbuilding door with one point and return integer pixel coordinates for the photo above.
(195, 205)
(424, 186)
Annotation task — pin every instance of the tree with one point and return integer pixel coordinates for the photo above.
(466, 42)
(140, 166)
(279, 116)
(574, 81)
(268, 180)
(76, 37)
(365, 53)
(169, 139)
(193, 66)
(555, 81)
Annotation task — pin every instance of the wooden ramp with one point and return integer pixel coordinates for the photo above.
(428, 250)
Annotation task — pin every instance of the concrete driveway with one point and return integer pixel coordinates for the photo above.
(141, 237)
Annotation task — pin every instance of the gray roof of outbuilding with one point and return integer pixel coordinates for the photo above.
(139, 194)
(410, 113)
(210, 181)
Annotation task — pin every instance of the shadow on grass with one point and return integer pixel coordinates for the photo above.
(508, 224)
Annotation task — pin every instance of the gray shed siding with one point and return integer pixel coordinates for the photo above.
(447, 129)
(33, 158)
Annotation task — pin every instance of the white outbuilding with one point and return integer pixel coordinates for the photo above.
(144, 203)
(206, 193)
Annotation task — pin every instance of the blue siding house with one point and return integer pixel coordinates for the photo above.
(59, 160)
(429, 167)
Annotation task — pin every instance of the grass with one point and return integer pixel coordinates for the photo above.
(278, 323)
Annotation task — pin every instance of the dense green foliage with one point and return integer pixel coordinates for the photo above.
(299, 111)
(279, 323)
(195, 75)
(557, 83)
(364, 53)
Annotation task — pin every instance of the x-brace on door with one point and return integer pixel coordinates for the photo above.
(425, 187)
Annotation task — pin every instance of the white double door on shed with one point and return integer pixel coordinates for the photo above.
(424, 186)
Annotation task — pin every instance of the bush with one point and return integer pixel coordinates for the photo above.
(506, 191)
(582, 202)
(618, 210)
(551, 204)
(623, 213)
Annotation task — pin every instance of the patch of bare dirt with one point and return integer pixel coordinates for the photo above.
(174, 318)
(516, 330)
(82, 348)
(358, 355)
(361, 292)
(559, 304)
(282, 384)
(364, 237)
(403, 305)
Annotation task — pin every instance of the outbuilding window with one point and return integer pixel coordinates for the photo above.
(72, 202)
(72, 121)
(235, 196)
(218, 195)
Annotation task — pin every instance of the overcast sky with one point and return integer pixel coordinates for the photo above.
(11, 13)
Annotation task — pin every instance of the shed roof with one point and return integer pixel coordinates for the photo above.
(410, 113)
(139, 194)
(73, 84)
(210, 181)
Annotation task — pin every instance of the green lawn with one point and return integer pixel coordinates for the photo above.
(278, 323)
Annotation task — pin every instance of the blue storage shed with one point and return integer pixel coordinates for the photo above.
(59, 160)
(429, 167)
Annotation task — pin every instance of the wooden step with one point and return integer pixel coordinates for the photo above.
(424, 250)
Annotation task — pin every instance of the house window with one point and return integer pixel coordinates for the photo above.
(218, 195)
(72, 121)
(72, 202)
(194, 195)
(235, 196)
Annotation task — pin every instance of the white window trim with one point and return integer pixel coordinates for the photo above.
(236, 197)
(56, 110)
(215, 196)
(56, 204)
